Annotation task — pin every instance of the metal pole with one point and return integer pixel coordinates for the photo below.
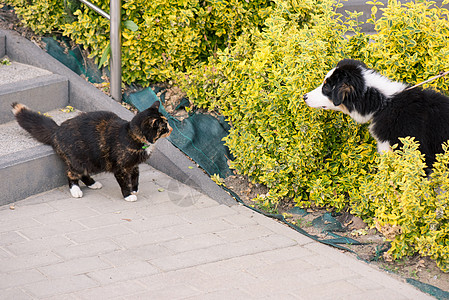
(96, 8)
(116, 54)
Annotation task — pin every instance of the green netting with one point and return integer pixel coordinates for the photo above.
(429, 289)
(72, 58)
(200, 136)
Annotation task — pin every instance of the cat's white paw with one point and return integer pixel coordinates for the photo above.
(97, 185)
(131, 198)
(76, 191)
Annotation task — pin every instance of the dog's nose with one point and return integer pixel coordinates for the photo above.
(304, 97)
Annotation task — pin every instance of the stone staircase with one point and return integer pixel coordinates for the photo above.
(26, 166)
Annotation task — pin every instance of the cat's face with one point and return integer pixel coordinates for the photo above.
(154, 125)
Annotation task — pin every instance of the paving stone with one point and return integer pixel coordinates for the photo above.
(164, 280)
(232, 293)
(110, 219)
(59, 286)
(208, 213)
(70, 203)
(151, 252)
(365, 284)
(23, 211)
(91, 248)
(74, 267)
(120, 257)
(98, 233)
(11, 237)
(134, 240)
(13, 279)
(365, 270)
(194, 242)
(16, 224)
(14, 293)
(121, 289)
(123, 273)
(282, 295)
(66, 215)
(200, 227)
(384, 294)
(326, 275)
(228, 281)
(53, 229)
(280, 269)
(179, 291)
(202, 201)
(240, 234)
(286, 253)
(162, 209)
(28, 261)
(152, 223)
(38, 245)
(211, 254)
(333, 290)
(280, 241)
(239, 220)
(5, 254)
(230, 266)
(68, 296)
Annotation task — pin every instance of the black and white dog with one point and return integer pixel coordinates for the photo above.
(395, 110)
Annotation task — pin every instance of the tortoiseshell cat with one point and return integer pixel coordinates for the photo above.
(95, 142)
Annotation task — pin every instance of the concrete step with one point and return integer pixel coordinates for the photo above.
(38, 88)
(26, 166)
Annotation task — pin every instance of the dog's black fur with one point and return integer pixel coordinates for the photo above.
(97, 142)
(395, 111)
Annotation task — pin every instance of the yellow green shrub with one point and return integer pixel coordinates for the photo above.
(410, 209)
(411, 43)
(41, 16)
(171, 35)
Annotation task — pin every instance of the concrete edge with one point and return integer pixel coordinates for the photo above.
(32, 92)
(82, 95)
(2, 45)
(23, 169)
(16, 158)
(31, 83)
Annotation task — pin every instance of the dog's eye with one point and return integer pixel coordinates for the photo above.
(326, 88)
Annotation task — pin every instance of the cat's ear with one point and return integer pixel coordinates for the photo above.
(156, 105)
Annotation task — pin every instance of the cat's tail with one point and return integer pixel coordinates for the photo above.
(39, 126)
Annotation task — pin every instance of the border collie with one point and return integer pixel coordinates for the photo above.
(394, 109)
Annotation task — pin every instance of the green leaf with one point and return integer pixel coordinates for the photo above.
(104, 56)
(128, 24)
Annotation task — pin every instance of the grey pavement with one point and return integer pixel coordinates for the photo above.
(173, 243)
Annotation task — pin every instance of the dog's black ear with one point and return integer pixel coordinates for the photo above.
(342, 93)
